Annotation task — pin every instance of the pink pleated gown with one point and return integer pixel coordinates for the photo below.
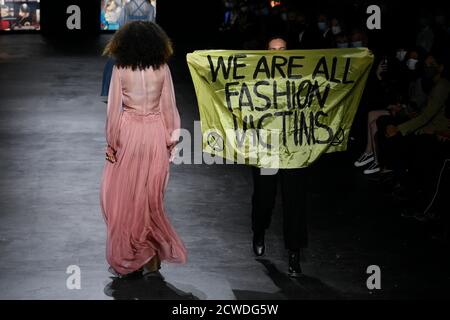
(141, 123)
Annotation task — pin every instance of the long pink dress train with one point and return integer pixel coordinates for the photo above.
(142, 122)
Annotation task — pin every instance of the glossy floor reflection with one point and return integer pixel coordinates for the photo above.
(303, 288)
(149, 287)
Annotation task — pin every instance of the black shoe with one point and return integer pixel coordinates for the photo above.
(295, 270)
(258, 244)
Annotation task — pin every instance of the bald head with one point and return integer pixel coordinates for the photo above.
(277, 44)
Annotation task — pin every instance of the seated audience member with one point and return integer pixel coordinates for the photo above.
(336, 26)
(358, 39)
(370, 156)
(432, 116)
(403, 87)
(398, 141)
(306, 36)
(342, 40)
(326, 39)
(425, 189)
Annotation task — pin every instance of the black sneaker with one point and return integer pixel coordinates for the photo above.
(373, 168)
(364, 159)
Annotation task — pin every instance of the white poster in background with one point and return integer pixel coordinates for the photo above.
(110, 13)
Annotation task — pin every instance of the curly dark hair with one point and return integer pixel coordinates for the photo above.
(140, 45)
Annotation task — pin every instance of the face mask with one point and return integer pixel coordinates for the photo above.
(336, 30)
(400, 55)
(322, 26)
(357, 44)
(342, 45)
(411, 64)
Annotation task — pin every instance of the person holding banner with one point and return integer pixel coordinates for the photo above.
(293, 190)
(278, 110)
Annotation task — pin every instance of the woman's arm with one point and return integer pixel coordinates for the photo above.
(114, 110)
(169, 110)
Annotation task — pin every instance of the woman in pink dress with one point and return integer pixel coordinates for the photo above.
(142, 128)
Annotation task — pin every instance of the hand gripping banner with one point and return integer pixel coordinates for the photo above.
(277, 109)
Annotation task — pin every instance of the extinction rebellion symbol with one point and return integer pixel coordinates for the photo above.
(215, 141)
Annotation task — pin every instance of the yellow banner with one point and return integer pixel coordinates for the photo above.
(277, 109)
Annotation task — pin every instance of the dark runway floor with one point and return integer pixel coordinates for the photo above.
(51, 160)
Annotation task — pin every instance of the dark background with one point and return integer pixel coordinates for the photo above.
(197, 22)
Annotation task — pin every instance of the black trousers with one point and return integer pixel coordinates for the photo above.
(294, 186)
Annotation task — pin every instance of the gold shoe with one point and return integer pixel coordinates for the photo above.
(153, 265)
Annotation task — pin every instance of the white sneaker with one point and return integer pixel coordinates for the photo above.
(373, 168)
(364, 159)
